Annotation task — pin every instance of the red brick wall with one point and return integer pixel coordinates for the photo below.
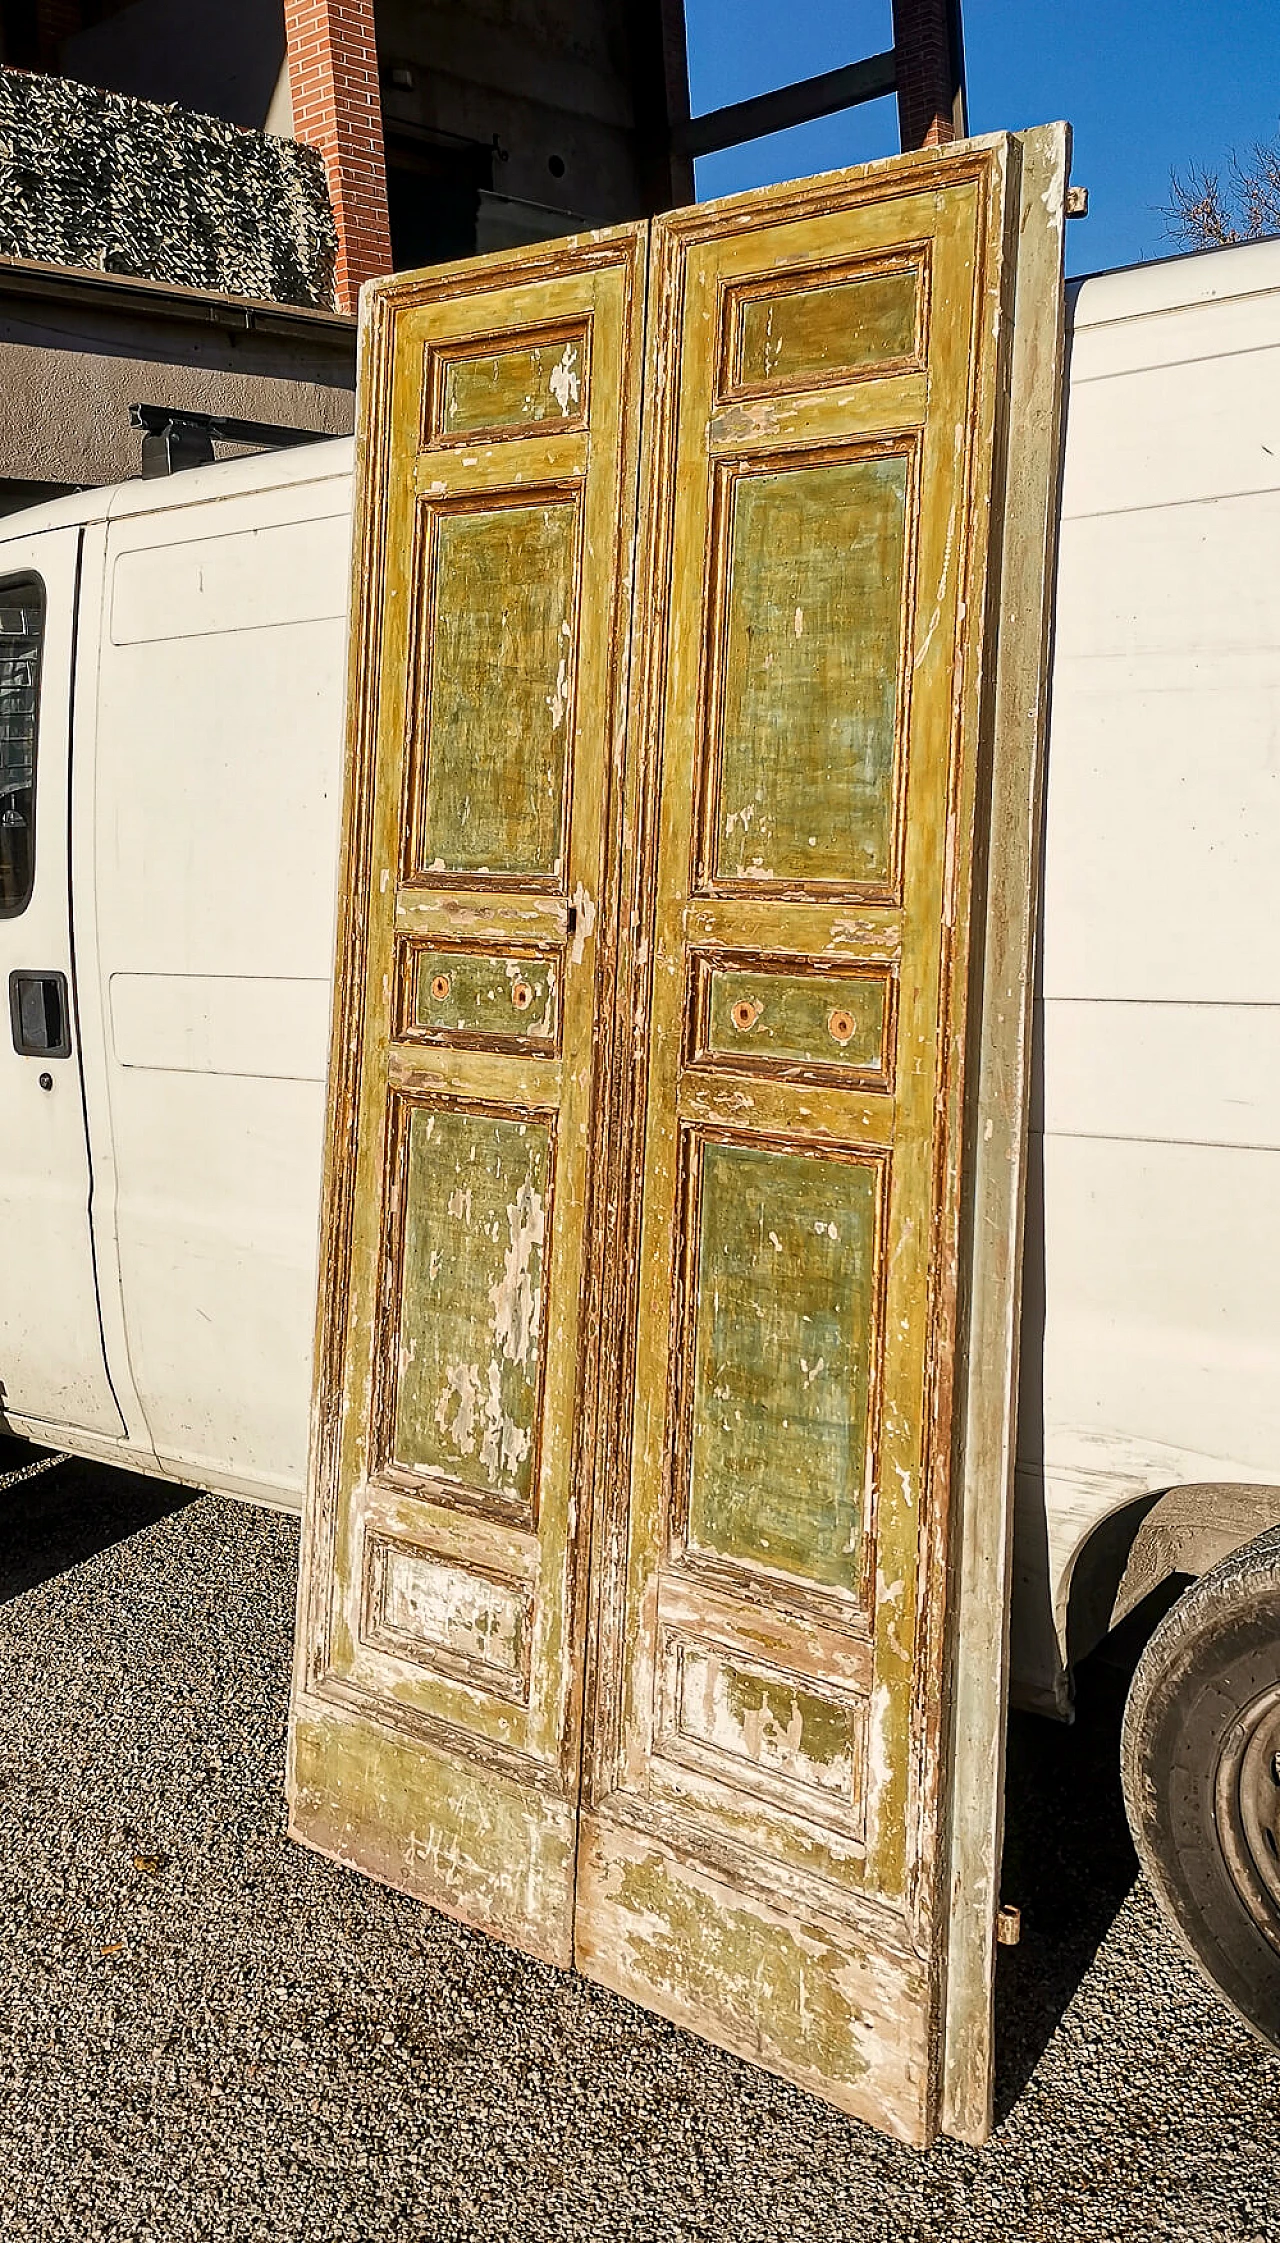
(333, 82)
(927, 73)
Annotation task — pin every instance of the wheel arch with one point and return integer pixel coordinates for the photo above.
(1178, 1533)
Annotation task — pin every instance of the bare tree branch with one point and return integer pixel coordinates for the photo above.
(1202, 213)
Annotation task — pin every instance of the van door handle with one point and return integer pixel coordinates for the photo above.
(40, 1015)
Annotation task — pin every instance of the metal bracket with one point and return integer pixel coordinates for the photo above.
(175, 438)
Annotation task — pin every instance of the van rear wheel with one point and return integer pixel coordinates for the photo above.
(1201, 1767)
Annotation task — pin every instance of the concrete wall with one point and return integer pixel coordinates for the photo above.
(222, 58)
(560, 85)
(101, 180)
(77, 350)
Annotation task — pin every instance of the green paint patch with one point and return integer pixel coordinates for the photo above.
(501, 690)
(762, 1977)
(811, 666)
(769, 1722)
(845, 327)
(786, 1256)
(458, 993)
(515, 389)
(801, 1019)
(470, 1337)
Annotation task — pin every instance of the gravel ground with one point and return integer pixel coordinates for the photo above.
(208, 2032)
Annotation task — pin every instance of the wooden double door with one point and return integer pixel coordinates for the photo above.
(641, 1547)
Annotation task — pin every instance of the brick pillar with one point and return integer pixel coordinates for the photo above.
(337, 108)
(929, 59)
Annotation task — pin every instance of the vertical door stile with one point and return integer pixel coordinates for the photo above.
(435, 1736)
(764, 1821)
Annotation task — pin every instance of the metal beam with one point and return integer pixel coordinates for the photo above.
(790, 105)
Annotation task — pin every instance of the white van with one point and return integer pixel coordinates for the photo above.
(171, 658)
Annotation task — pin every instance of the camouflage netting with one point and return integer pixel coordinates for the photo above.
(98, 179)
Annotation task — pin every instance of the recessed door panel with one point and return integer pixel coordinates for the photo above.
(779, 1302)
(499, 655)
(466, 1344)
(804, 729)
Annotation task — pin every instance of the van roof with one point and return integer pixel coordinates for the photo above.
(1167, 284)
(328, 458)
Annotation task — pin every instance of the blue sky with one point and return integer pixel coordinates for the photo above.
(1145, 84)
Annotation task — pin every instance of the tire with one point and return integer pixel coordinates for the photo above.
(1200, 1759)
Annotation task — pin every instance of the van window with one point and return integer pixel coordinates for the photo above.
(21, 634)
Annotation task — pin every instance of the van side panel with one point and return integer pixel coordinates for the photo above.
(1151, 1343)
(53, 1371)
(217, 784)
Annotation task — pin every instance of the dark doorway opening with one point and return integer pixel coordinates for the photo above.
(434, 185)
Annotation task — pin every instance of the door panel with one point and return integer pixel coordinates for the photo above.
(760, 1842)
(436, 1735)
(53, 1369)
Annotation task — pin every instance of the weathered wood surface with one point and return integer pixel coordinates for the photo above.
(655, 1052)
(815, 673)
(436, 1737)
(995, 1177)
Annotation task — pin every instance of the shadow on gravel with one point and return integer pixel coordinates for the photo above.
(1068, 1859)
(67, 1515)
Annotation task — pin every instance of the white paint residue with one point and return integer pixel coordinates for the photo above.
(945, 577)
(566, 387)
(558, 701)
(585, 907)
(811, 1371)
(462, 1382)
(505, 1444)
(515, 1299)
(799, 623)
(460, 1204)
(385, 881)
(879, 1757)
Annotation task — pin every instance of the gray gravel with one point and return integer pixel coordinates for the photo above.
(208, 2032)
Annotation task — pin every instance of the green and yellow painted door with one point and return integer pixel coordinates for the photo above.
(635, 1595)
(436, 1739)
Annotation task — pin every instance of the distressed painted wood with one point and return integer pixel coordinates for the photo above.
(474, 389)
(782, 1251)
(494, 696)
(466, 1332)
(479, 997)
(437, 1706)
(761, 1017)
(764, 1849)
(805, 710)
(788, 336)
(665, 1118)
(995, 1180)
